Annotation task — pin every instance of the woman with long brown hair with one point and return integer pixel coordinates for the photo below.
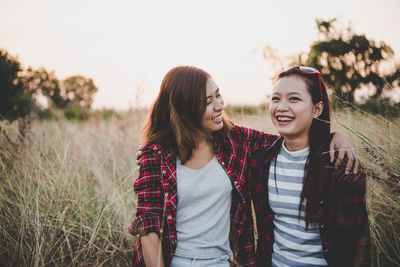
(193, 195)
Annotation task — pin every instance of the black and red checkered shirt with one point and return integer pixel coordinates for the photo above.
(156, 186)
(342, 215)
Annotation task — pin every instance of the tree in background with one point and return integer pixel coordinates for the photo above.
(75, 90)
(79, 90)
(44, 83)
(348, 62)
(20, 90)
(16, 99)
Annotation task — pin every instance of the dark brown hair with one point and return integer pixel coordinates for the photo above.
(174, 120)
(319, 138)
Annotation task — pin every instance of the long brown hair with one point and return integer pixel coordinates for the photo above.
(319, 138)
(174, 120)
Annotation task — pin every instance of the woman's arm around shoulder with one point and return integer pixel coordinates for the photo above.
(256, 139)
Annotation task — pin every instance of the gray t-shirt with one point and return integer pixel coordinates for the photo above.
(203, 212)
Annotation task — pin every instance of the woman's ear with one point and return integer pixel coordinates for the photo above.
(318, 108)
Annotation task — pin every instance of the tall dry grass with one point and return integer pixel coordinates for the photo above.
(377, 141)
(66, 193)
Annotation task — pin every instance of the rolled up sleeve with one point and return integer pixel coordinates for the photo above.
(148, 190)
(145, 224)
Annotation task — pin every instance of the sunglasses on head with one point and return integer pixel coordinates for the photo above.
(310, 70)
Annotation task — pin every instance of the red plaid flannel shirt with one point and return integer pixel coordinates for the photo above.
(156, 185)
(343, 219)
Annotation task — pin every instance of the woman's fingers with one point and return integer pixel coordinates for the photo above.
(339, 158)
(139, 155)
(350, 160)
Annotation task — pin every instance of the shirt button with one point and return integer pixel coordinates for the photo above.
(159, 152)
(322, 226)
(326, 250)
(166, 194)
(321, 202)
(235, 182)
(164, 172)
(223, 163)
(169, 217)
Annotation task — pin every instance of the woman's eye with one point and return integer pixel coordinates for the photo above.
(293, 98)
(275, 98)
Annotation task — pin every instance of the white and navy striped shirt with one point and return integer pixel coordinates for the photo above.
(293, 244)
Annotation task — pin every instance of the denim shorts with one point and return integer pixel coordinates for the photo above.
(221, 261)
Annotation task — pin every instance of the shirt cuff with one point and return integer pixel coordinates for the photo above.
(145, 224)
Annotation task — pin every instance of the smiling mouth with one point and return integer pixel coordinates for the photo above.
(284, 118)
(217, 118)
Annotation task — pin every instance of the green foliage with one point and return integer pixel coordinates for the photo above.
(15, 98)
(383, 107)
(45, 114)
(107, 114)
(79, 90)
(19, 90)
(350, 61)
(76, 112)
(42, 82)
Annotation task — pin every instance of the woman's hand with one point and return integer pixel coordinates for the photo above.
(139, 155)
(342, 144)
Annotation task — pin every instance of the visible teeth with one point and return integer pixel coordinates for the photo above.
(216, 118)
(284, 119)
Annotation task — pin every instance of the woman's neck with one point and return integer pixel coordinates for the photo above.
(297, 143)
(202, 154)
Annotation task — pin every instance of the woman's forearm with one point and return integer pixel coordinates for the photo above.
(152, 252)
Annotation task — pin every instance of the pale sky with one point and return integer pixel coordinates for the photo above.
(122, 44)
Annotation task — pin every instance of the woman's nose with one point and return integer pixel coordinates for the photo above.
(283, 105)
(219, 105)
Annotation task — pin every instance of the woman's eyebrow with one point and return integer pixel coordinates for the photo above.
(289, 93)
(216, 91)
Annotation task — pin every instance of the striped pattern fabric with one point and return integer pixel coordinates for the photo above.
(293, 244)
(342, 216)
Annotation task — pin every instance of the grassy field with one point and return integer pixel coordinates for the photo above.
(66, 194)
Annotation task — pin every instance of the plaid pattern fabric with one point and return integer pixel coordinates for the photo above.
(156, 185)
(342, 216)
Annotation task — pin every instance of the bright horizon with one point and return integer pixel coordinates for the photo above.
(121, 44)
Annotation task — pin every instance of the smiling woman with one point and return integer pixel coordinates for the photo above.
(312, 213)
(192, 190)
(292, 109)
(212, 118)
(180, 150)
